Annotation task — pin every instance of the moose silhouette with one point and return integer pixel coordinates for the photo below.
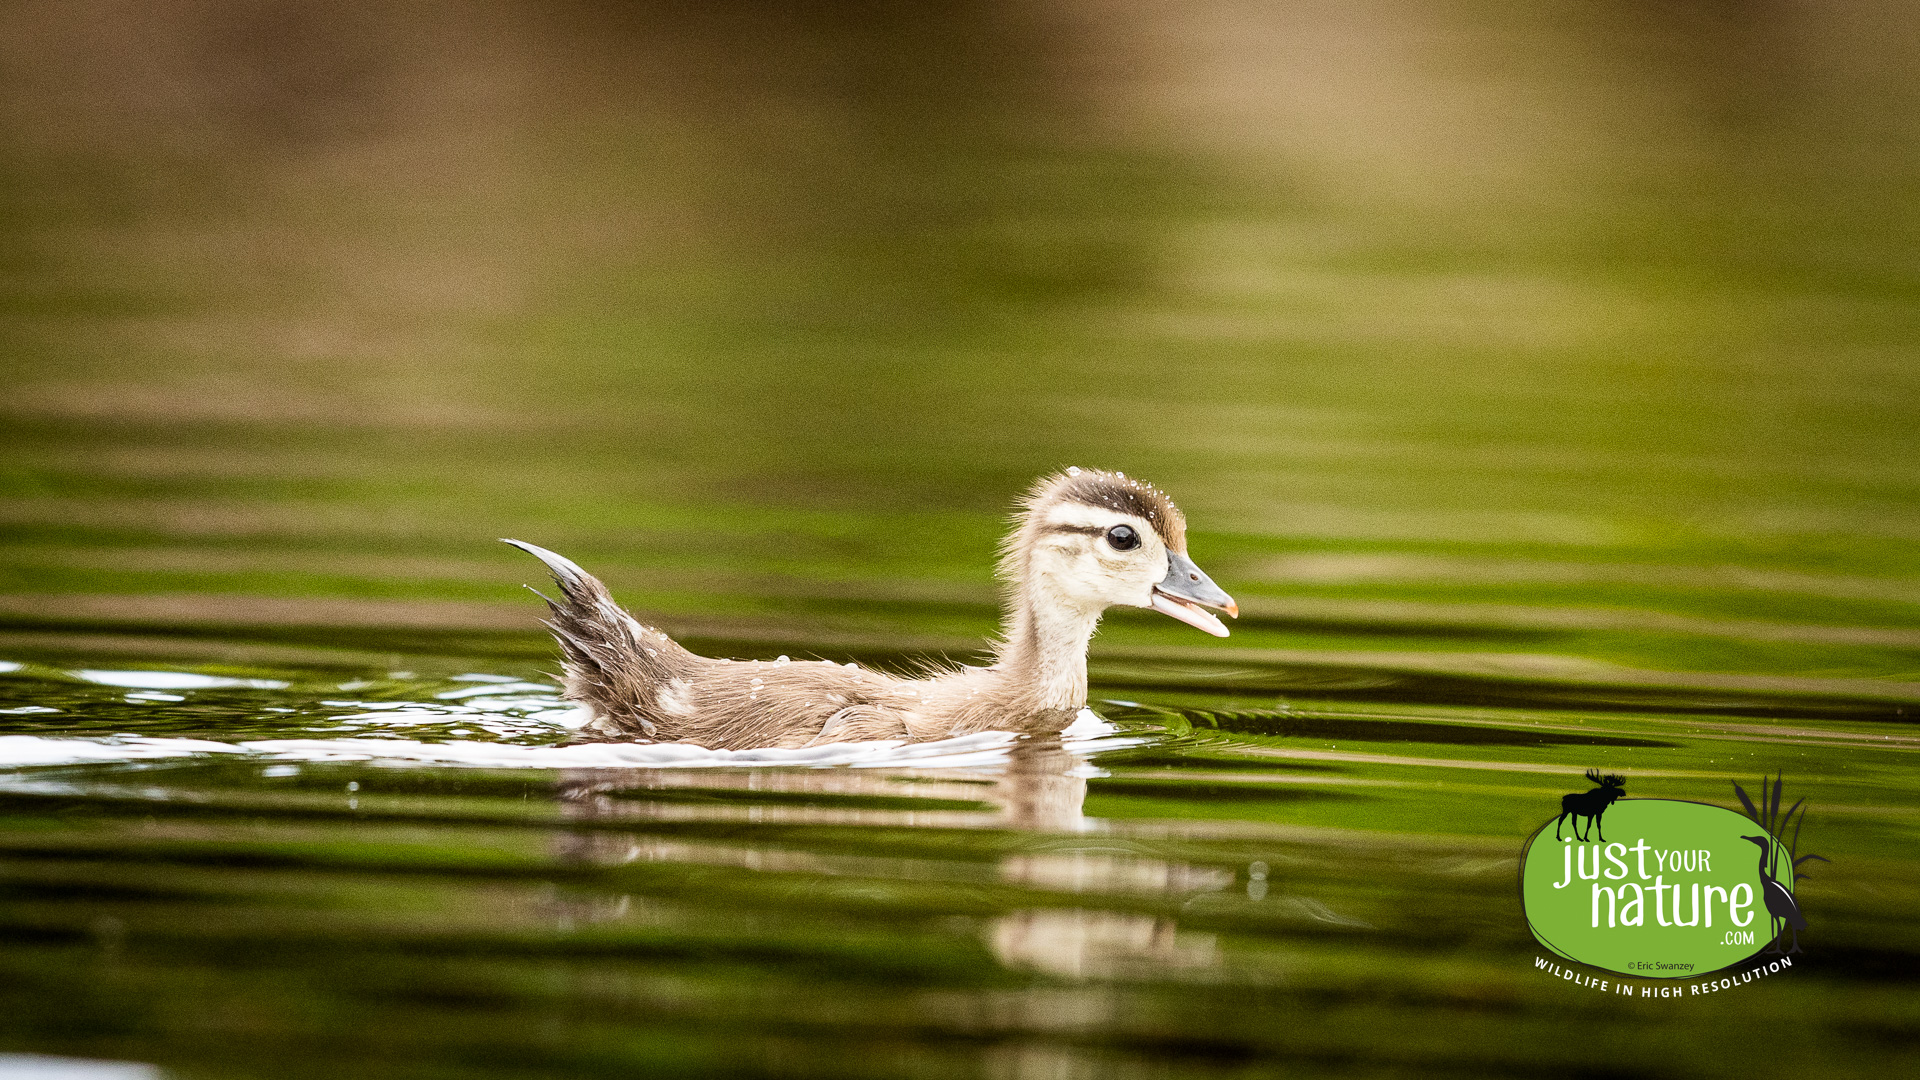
(1590, 804)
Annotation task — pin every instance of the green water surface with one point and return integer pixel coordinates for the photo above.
(1543, 380)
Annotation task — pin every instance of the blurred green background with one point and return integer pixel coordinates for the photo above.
(1587, 326)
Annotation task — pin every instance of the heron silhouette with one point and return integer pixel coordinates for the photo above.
(1780, 903)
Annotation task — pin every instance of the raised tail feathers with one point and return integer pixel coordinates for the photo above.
(612, 662)
(565, 571)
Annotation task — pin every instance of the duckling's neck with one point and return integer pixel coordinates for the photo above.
(1045, 653)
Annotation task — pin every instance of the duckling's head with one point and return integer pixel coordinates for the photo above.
(1087, 540)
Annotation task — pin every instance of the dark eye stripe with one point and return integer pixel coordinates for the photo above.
(1083, 530)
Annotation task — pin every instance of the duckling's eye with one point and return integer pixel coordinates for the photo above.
(1123, 538)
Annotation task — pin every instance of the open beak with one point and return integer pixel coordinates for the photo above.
(1186, 591)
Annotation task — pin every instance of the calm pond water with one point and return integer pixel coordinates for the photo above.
(1544, 383)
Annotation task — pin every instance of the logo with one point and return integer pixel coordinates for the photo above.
(1682, 889)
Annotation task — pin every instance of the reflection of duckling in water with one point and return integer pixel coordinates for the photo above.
(1084, 540)
(1038, 790)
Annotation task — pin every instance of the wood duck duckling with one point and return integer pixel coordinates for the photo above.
(1083, 540)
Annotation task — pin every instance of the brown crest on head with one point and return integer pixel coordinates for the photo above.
(1117, 492)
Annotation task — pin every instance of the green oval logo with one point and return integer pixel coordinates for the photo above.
(1677, 889)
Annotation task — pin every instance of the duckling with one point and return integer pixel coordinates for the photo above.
(1083, 540)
